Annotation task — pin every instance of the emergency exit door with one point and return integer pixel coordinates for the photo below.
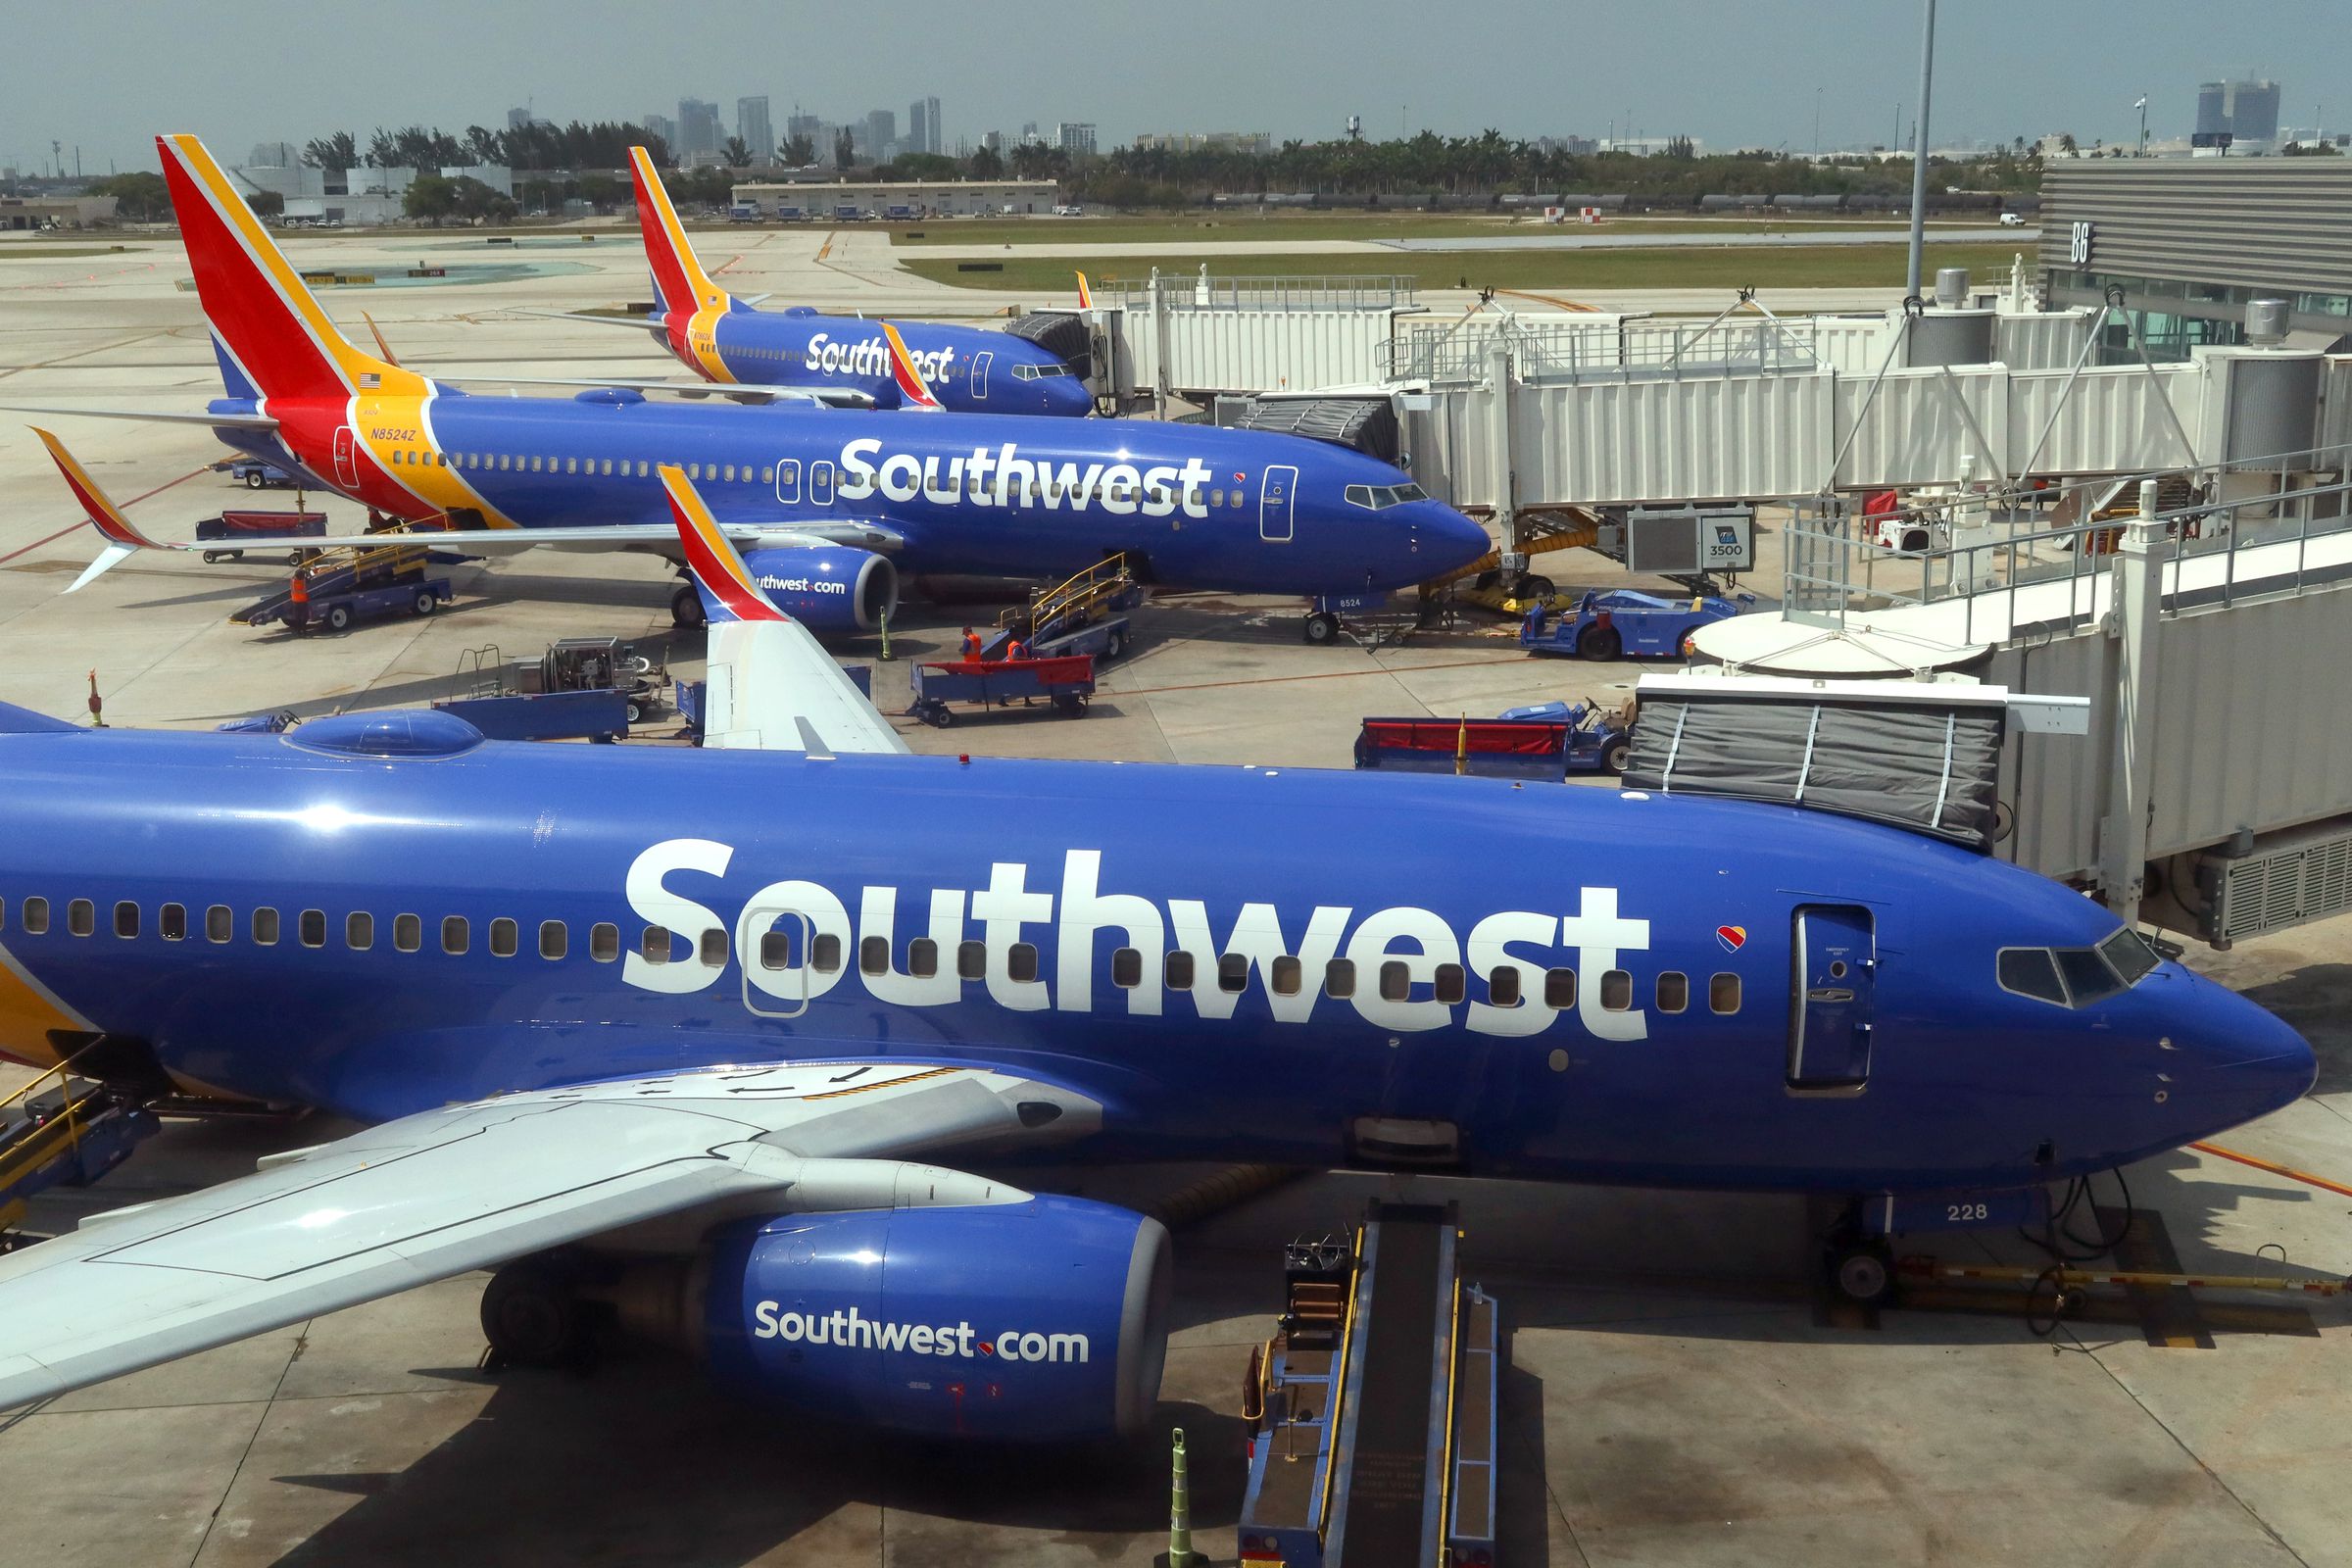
(1274, 504)
(980, 365)
(1836, 965)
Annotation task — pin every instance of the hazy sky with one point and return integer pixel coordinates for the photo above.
(108, 76)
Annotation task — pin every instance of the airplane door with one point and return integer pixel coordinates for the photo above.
(980, 363)
(821, 484)
(776, 957)
(347, 465)
(1274, 504)
(1836, 967)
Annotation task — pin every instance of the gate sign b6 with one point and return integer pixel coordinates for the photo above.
(2078, 244)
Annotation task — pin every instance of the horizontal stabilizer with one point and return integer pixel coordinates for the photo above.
(226, 422)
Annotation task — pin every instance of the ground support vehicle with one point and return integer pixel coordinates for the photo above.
(339, 587)
(1067, 682)
(1627, 622)
(254, 473)
(236, 532)
(1085, 615)
(1547, 742)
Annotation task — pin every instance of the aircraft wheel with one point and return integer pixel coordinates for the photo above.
(1617, 755)
(338, 617)
(530, 1315)
(1071, 704)
(1861, 1269)
(686, 608)
(1533, 588)
(1322, 628)
(426, 604)
(1598, 642)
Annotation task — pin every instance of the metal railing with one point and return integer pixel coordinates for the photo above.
(1553, 352)
(1335, 291)
(1838, 563)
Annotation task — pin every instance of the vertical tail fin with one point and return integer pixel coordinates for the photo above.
(1086, 293)
(719, 574)
(679, 277)
(914, 391)
(255, 299)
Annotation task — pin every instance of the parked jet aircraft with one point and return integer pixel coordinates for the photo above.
(572, 1018)
(725, 339)
(825, 497)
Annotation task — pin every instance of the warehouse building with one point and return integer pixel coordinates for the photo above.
(950, 198)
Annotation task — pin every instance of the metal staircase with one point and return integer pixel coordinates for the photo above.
(62, 1129)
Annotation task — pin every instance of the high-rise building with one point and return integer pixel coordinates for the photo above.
(811, 126)
(918, 128)
(881, 129)
(518, 119)
(666, 129)
(992, 140)
(936, 140)
(752, 124)
(1075, 137)
(697, 129)
(1029, 136)
(2247, 111)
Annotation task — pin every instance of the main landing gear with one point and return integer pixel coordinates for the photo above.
(685, 606)
(1860, 1269)
(1322, 628)
(532, 1316)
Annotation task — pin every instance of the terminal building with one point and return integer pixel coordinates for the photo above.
(2191, 241)
(938, 198)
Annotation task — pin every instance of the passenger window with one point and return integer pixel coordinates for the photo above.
(874, 956)
(554, 938)
(1451, 985)
(1339, 979)
(127, 919)
(922, 957)
(775, 949)
(1616, 990)
(825, 953)
(767, 475)
(503, 938)
(1396, 981)
(1559, 989)
(1286, 976)
(172, 922)
(715, 948)
(730, 474)
(1503, 987)
(453, 935)
(220, 923)
(1127, 968)
(35, 914)
(407, 932)
(788, 480)
(1177, 972)
(572, 465)
(604, 942)
(358, 932)
(312, 926)
(971, 960)
(694, 470)
(1233, 974)
(606, 466)
(264, 927)
(81, 917)
(655, 945)
(1723, 994)
(1674, 991)
(1020, 960)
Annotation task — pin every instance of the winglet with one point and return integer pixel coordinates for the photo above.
(679, 277)
(1086, 293)
(721, 577)
(914, 391)
(122, 541)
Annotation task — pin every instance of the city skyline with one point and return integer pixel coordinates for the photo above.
(1725, 84)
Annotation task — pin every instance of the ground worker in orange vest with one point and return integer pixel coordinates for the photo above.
(1016, 649)
(302, 598)
(971, 645)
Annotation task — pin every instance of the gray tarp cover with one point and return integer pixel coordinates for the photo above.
(1930, 769)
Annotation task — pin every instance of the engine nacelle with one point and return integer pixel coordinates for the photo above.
(1044, 1320)
(828, 588)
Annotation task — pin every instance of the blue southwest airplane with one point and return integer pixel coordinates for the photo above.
(729, 341)
(834, 500)
(725, 1077)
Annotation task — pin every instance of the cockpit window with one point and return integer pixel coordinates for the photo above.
(2076, 977)
(2032, 972)
(1381, 497)
(2132, 956)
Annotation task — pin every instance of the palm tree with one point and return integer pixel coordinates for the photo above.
(737, 152)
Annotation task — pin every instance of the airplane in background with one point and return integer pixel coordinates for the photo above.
(722, 1079)
(729, 341)
(837, 500)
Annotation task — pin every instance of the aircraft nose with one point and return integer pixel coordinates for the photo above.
(1067, 396)
(2248, 1061)
(1447, 539)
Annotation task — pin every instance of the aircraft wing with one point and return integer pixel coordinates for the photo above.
(770, 684)
(653, 537)
(733, 391)
(462, 1187)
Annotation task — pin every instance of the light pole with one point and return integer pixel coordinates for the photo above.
(2142, 106)
(1919, 152)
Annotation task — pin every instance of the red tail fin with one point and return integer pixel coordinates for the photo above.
(255, 299)
(679, 277)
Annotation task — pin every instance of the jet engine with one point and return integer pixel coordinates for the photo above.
(1043, 1321)
(828, 588)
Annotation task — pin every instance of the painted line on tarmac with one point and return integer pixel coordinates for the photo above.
(85, 522)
